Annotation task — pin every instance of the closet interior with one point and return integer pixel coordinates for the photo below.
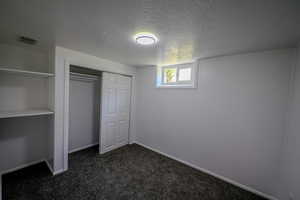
(84, 108)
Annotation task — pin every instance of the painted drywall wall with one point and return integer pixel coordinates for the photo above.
(21, 93)
(23, 140)
(65, 56)
(291, 148)
(231, 125)
(84, 118)
(26, 58)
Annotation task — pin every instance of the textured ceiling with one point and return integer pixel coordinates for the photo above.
(187, 29)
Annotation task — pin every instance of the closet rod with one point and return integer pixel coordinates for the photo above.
(75, 75)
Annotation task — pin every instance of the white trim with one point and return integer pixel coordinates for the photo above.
(101, 125)
(58, 172)
(131, 112)
(92, 62)
(66, 117)
(26, 72)
(63, 57)
(49, 166)
(183, 86)
(84, 147)
(25, 113)
(252, 190)
(192, 84)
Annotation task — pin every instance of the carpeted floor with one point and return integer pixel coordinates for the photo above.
(131, 172)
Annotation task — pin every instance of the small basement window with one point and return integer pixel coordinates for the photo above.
(177, 76)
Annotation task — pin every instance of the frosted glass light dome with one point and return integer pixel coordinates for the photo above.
(145, 38)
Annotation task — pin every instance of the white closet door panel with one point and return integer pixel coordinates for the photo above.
(123, 132)
(124, 82)
(124, 101)
(110, 100)
(111, 129)
(116, 91)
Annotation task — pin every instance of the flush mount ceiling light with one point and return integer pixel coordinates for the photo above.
(145, 38)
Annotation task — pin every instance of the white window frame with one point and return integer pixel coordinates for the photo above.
(178, 84)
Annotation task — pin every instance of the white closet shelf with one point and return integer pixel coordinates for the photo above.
(25, 113)
(25, 72)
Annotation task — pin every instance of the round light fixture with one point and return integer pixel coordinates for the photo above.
(145, 38)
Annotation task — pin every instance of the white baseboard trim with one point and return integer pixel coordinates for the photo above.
(270, 197)
(58, 172)
(49, 166)
(84, 147)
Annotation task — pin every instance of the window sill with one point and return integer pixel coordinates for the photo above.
(177, 86)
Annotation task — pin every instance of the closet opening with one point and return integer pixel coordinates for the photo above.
(97, 110)
(84, 108)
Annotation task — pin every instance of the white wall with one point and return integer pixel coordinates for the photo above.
(66, 56)
(20, 57)
(291, 156)
(232, 124)
(84, 118)
(22, 93)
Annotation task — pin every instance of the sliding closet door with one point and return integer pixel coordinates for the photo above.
(115, 111)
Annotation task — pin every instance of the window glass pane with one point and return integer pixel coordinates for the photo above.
(185, 74)
(170, 75)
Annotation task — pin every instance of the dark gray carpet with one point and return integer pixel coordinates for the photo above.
(131, 172)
